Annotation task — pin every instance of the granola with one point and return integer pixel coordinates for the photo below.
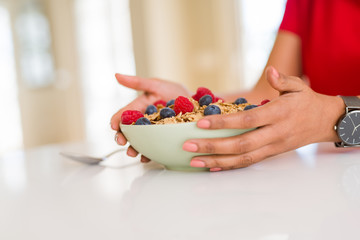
(186, 109)
(196, 114)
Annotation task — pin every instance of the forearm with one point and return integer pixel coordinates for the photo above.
(333, 109)
(285, 57)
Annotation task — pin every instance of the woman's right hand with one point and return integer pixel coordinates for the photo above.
(153, 90)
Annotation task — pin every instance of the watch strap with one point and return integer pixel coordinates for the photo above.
(351, 101)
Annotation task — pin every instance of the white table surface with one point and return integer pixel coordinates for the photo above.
(311, 193)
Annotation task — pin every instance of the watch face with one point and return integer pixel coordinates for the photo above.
(348, 128)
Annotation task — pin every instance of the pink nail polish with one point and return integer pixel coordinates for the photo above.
(215, 169)
(275, 73)
(119, 140)
(203, 123)
(197, 163)
(190, 147)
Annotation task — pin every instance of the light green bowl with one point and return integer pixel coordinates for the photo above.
(163, 143)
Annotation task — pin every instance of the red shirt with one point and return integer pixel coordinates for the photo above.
(330, 35)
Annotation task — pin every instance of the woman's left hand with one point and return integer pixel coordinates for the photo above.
(299, 116)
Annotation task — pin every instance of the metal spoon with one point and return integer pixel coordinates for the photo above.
(87, 159)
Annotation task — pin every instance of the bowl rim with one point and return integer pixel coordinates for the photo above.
(176, 125)
(159, 125)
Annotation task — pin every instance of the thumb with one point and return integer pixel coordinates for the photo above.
(282, 83)
(137, 83)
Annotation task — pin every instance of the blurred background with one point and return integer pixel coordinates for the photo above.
(58, 58)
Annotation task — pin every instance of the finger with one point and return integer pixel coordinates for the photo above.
(131, 152)
(120, 139)
(253, 118)
(227, 162)
(239, 144)
(138, 83)
(144, 159)
(284, 84)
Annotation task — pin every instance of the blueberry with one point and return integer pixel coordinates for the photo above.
(211, 110)
(248, 107)
(143, 121)
(240, 101)
(167, 113)
(205, 100)
(150, 109)
(170, 102)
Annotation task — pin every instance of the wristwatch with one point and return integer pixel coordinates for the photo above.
(348, 126)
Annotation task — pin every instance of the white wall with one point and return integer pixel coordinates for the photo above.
(192, 42)
(51, 112)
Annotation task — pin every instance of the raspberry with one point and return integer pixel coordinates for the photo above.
(160, 102)
(264, 102)
(130, 116)
(201, 91)
(183, 104)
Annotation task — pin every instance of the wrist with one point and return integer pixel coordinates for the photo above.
(336, 109)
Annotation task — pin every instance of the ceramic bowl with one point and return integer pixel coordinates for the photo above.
(163, 143)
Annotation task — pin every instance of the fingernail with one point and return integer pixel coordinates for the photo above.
(215, 169)
(119, 141)
(122, 142)
(190, 147)
(143, 160)
(275, 73)
(113, 126)
(197, 163)
(131, 153)
(203, 123)
(116, 138)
